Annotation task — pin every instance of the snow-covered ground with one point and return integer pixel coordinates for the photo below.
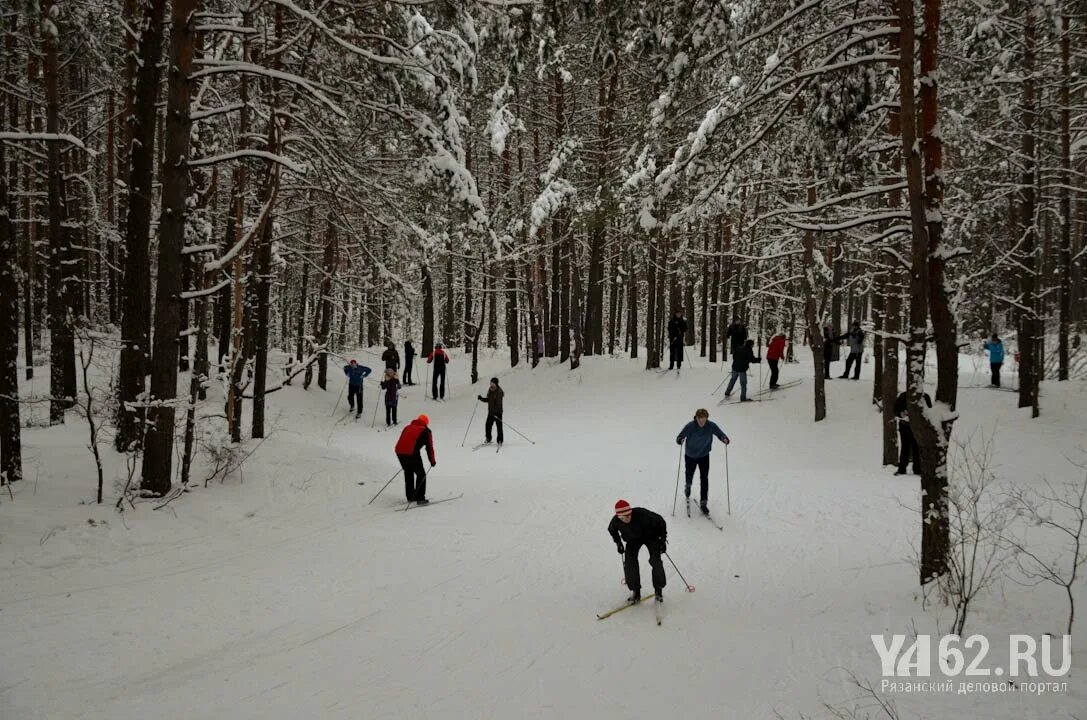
(282, 594)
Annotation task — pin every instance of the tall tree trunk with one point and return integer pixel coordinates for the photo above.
(263, 279)
(1064, 322)
(428, 312)
(726, 229)
(703, 319)
(651, 359)
(1029, 324)
(576, 303)
(136, 291)
(632, 303)
(158, 455)
(811, 318)
(11, 453)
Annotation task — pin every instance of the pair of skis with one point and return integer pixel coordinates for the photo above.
(706, 515)
(657, 611)
(498, 447)
(412, 504)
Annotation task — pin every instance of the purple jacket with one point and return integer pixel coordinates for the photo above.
(392, 392)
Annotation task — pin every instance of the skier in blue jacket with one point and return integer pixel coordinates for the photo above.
(699, 434)
(355, 375)
(996, 357)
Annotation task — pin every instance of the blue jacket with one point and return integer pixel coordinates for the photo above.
(996, 351)
(356, 375)
(700, 439)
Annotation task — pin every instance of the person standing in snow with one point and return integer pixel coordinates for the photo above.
(355, 375)
(677, 329)
(409, 451)
(637, 527)
(494, 409)
(391, 386)
(741, 361)
(440, 359)
(996, 357)
(830, 350)
(409, 356)
(699, 434)
(391, 357)
(855, 337)
(907, 441)
(737, 335)
(775, 353)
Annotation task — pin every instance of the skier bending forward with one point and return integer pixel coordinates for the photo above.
(637, 527)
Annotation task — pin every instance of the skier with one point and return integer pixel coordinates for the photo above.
(775, 353)
(855, 336)
(440, 359)
(494, 409)
(677, 329)
(391, 386)
(737, 335)
(699, 434)
(907, 441)
(409, 355)
(741, 360)
(996, 357)
(830, 350)
(355, 375)
(409, 451)
(391, 356)
(638, 526)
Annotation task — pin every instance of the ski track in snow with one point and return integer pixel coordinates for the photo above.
(282, 594)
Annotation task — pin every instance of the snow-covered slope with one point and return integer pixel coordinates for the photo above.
(282, 594)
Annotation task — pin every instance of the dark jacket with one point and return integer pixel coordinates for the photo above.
(414, 438)
(900, 406)
(855, 338)
(700, 439)
(355, 375)
(391, 358)
(645, 527)
(737, 335)
(440, 359)
(493, 400)
(742, 358)
(831, 349)
(392, 391)
(677, 328)
(409, 352)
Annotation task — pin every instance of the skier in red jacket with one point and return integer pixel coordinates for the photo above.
(409, 451)
(775, 353)
(440, 358)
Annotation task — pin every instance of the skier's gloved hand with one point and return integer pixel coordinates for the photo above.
(727, 441)
(664, 545)
(679, 441)
(619, 547)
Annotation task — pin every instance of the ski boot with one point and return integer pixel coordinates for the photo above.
(635, 597)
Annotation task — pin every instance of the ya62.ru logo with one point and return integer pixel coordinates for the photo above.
(1025, 655)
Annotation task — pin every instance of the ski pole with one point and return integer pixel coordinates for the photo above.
(517, 431)
(679, 462)
(474, 408)
(426, 380)
(686, 355)
(373, 420)
(385, 486)
(690, 587)
(728, 492)
(337, 405)
(720, 384)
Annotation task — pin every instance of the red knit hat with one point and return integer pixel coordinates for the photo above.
(424, 419)
(622, 508)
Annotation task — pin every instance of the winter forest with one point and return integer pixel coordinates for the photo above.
(208, 207)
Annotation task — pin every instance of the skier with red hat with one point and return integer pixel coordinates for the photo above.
(637, 527)
(409, 451)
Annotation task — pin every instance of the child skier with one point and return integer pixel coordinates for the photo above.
(494, 409)
(775, 353)
(391, 357)
(741, 361)
(699, 435)
(391, 386)
(996, 357)
(638, 526)
(409, 451)
(355, 375)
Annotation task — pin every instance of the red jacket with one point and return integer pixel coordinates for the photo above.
(442, 356)
(414, 437)
(776, 350)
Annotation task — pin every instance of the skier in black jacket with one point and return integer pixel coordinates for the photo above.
(677, 330)
(741, 361)
(907, 441)
(409, 356)
(638, 526)
(737, 335)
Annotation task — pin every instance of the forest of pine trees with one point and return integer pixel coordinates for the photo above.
(189, 185)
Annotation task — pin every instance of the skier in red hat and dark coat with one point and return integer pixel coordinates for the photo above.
(409, 451)
(638, 526)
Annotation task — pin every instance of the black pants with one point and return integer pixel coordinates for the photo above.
(675, 353)
(854, 357)
(826, 364)
(633, 572)
(414, 477)
(354, 391)
(773, 372)
(995, 367)
(434, 384)
(703, 465)
(390, 415)
(907, 449)
(407, 372)
(493, 420)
